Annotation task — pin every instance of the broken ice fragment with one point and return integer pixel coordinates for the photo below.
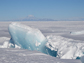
(27, 37)
(77, 33)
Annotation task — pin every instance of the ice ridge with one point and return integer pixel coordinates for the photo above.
(66, 48)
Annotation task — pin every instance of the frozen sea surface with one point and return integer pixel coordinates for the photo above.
(48, 28)
(24, 56)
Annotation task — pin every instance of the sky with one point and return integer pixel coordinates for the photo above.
(58, 10)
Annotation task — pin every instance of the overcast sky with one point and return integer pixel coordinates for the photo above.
(42, 10)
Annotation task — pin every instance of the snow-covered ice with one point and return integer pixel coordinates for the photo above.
(9, 55)
(59, 40)
(4, 42)
(77, 33)
(66, 48)
(32, 39)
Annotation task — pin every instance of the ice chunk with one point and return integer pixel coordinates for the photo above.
(32, 39)
(27, 37)
(66, 48)
(77, 33)
(4, 42)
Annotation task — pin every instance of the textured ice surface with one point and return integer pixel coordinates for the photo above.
(77, 33)
(5, 43)
(66, 48)
(9, 55)
(32, 39)
(28, 38)
(57, 28)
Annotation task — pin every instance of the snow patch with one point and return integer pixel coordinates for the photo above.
(66, 48)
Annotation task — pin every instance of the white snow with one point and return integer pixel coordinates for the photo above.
(5, 42)
(66, 48)
(77, 33)
(54, 31)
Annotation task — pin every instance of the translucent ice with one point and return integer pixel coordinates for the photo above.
(28, 38)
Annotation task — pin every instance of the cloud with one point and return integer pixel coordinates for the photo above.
(33, 18)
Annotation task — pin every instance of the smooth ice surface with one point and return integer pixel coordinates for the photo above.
(82, 59)
(28, 38)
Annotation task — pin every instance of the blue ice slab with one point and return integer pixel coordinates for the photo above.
(29, 38)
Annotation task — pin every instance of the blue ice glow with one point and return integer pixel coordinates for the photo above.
(29, 38)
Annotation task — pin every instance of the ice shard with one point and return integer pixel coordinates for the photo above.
(28, 38)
